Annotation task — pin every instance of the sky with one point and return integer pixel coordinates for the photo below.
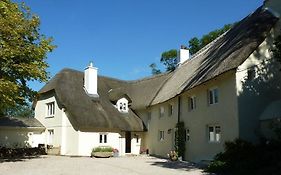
(123, 37)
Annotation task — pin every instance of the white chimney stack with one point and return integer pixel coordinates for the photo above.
(183, 55)
(91, 80)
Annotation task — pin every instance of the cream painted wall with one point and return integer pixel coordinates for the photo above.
(256, 94)
(20, 137)
(166, 123)
(223, 114)
(51, 123)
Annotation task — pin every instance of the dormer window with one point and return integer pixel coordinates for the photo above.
(122, 105)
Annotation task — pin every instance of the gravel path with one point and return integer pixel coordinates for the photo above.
(60, 165)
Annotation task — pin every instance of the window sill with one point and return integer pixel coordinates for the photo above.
(52, 116)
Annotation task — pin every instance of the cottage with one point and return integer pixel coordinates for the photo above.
(220, 93)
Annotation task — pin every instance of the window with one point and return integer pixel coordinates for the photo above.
(50, 109)
(161, 112)
(187, 135)
(192, 103)
(161, 135)
(148, 119)
(214, 133)
(213, 96)
(103, 138)
(122, 105)
(50, 136)
(251, 74)
(171, 110)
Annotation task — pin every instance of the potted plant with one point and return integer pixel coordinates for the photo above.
(173, 156)
(115, 152)
(102, 152)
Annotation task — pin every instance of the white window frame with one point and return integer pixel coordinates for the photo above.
(213, 96)
(214, 136)
(192, 103)
(103, 138)
(50, 109)
(122, 105)
(50, 137)
(187, 135)
(171, 110)
(161, 111)
(161, 135)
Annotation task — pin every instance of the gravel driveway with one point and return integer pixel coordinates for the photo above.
(60, 165)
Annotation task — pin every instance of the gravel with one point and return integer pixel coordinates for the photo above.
(63, 165)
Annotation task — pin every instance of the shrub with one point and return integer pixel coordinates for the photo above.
(103, 149)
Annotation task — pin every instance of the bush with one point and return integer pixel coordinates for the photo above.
(20, 152)
(103, 149)
(242, 157)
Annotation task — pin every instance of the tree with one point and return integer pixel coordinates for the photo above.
(169, 59)
(20, 111)
(180, 139)
(196, 44)
(23, 52)
(277, 48)
(154, 69)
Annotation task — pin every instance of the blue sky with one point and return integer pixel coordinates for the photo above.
(123, 37)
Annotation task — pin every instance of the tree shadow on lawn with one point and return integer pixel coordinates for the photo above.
(20, 159)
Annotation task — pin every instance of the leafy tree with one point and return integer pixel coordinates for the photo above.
(22, 55)
(20, 111)
(196, 44)
(180, 139)
(154, 69)
(169, 59)
(277, 49)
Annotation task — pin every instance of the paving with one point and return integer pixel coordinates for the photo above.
(63, 165)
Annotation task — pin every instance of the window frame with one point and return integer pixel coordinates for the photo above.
(161, 111)
(171, 110)
(192, 103)
(161, 135)
(51, 133)
(216, 133)
(213, 96)
(50, 109)
(103, 139)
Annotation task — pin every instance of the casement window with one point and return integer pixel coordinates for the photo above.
(187, 135)
(161, 112)
(103, 138)
(192, 103)
(214, 133)
(213, 96)
(50, 109)
(122, 105)
(251, 74)
(171, 110)
(161, 135)
(148, 119)
(50, 136)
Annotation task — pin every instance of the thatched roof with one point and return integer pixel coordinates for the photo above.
(85, 113)
(20, 122)
(224, 54)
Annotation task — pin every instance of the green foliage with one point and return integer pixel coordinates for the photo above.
(277, 49)
(154, 69)
(196, 44)
(180, 139)
(242, 157)
(103, 149)
(169, 59)
(20, 111)
(22, 55)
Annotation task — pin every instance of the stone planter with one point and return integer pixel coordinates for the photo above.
(102, 154)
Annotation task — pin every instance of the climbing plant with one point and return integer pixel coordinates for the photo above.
(180, 139)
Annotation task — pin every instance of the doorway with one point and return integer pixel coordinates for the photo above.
(128, 142)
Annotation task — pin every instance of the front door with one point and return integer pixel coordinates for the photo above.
(128, 142)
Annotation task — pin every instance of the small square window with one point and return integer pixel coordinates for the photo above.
(50, 109)
(171, 110)
(192, 103)
(213, 95)
(161, 135)
(103, 138)
(161, 112)
(214, 133)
